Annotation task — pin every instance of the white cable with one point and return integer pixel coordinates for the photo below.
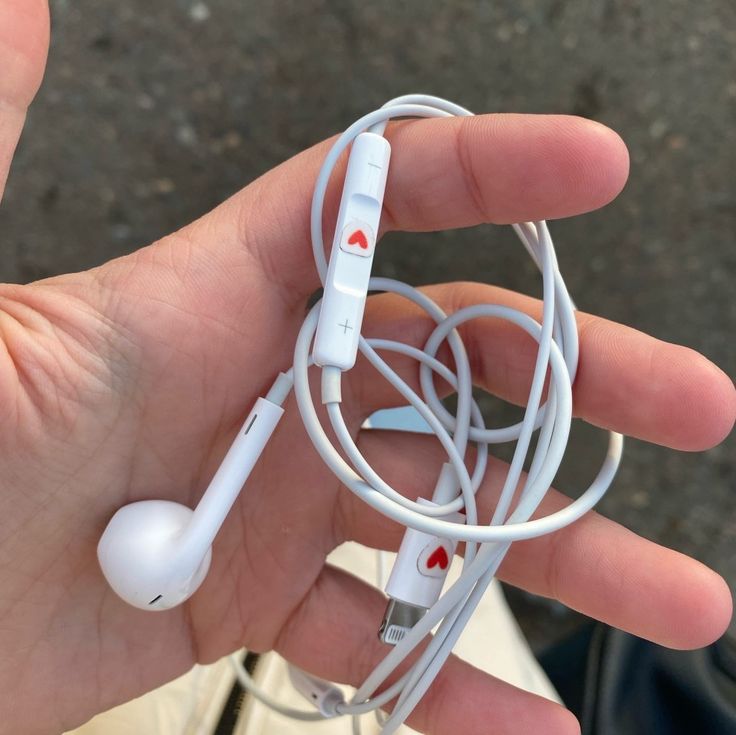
(250, 686)
(487, 540)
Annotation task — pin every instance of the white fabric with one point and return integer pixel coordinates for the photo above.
(189, 705)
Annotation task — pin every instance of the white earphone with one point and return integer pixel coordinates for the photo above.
(155, 554)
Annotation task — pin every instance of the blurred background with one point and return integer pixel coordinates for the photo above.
(152, 113)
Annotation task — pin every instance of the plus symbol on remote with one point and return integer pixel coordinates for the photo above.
(345, 327)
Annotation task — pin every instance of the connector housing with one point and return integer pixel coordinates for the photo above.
(416, 580)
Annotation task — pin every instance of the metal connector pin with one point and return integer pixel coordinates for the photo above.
(399, 619)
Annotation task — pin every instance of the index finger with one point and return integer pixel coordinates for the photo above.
(444, 173)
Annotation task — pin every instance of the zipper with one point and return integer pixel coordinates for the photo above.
(235, 701)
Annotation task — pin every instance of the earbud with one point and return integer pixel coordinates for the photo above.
(143, 557)
(156, 553)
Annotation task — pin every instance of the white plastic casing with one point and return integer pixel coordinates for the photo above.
(235, 469)
(324, 696)
(421, 566)
(353, 247)
(139, 555)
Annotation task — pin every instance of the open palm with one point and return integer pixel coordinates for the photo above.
(128, 381)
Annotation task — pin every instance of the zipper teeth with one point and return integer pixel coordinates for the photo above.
(228, 722)
(237, 709)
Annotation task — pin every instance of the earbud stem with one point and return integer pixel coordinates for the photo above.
(230, 477)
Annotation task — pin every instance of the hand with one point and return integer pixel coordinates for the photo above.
(128, 382)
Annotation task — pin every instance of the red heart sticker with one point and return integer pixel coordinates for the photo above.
(358, 238)
(438, 558)
(435, 559)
